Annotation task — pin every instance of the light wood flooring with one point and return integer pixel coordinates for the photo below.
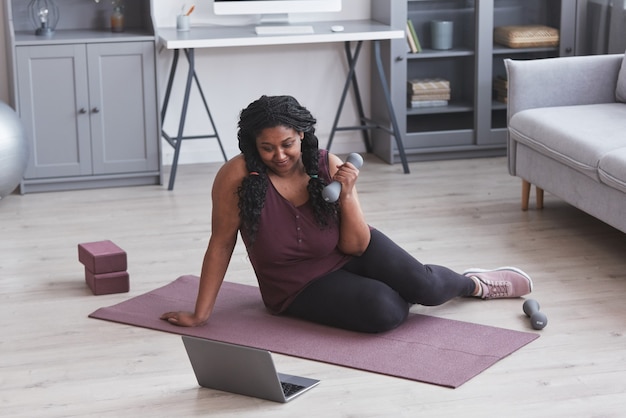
(56, 362)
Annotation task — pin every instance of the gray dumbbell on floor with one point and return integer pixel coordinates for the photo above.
(538, 320)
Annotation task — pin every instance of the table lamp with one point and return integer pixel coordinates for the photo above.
(45, 16)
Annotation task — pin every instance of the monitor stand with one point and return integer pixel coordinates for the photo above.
(278, 24)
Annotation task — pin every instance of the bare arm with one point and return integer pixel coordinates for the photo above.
(354, 234)
(224, 227)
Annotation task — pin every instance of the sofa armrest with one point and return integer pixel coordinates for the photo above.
(562, 81)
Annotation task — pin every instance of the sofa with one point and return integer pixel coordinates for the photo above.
(566, 125)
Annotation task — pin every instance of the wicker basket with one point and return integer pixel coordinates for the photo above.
(526, 36)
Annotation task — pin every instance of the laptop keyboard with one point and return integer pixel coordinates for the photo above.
(289, 388)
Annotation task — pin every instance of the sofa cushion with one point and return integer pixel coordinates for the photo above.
(620, 91)
(612, 169)
(577, 136)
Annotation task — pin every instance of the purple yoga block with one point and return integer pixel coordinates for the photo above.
(107, 283)
(102, 257)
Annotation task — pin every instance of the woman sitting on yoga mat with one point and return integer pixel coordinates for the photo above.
(316, 260)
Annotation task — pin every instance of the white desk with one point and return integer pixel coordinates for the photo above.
(229, 36)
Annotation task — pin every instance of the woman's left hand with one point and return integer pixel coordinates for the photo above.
(347, 175)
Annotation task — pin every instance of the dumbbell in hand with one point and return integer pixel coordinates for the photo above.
(538, 320)
(331, 192)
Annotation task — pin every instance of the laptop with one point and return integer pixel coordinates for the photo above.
(243, 370)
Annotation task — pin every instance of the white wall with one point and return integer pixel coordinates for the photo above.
(234, 77)
(4, 77)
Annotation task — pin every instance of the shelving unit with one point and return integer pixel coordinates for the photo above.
(87, 96)
(473, 124)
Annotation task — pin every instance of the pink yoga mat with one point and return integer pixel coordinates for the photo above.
(426, 349)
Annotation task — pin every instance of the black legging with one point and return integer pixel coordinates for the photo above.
(373, 292)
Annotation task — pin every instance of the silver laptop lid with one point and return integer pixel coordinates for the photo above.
(239, 369)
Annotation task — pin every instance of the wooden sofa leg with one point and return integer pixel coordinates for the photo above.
(525, 194)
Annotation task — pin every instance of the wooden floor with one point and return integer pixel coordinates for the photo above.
(57, 362)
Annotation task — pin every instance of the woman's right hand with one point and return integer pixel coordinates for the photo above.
(182, 319)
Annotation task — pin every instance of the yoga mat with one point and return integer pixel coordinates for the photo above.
(427, 349)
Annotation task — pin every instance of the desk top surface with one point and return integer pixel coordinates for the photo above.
(228, 36)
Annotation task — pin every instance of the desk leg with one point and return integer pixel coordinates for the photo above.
(170, 82)
(208, 112)
(183, 116)
(357, 93)
(350, 79)
(392, 114)
(365, 124)
(176, 142)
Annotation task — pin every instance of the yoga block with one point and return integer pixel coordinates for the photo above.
(107, 283)
(102, 257)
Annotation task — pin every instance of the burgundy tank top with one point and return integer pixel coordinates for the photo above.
(291, 249)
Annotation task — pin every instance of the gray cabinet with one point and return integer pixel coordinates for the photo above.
(88, 102)
(52, 83)
(473, 124)
(122, 96)
(84, 109)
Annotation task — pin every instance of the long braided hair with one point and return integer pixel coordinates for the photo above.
(269, 112)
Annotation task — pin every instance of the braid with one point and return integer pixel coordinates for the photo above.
(324, 211)
(269, 112)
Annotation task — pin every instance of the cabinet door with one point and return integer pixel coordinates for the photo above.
(122, 90)
(492, 100)
(432, 125)
(53, 103)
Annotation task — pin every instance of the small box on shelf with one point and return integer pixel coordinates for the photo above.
(526, 36)
(428, 92)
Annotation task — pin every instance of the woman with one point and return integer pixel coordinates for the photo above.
(316, 260)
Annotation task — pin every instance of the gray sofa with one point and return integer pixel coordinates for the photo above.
(567, 132)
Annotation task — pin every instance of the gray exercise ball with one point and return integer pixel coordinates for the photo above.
(13, 150)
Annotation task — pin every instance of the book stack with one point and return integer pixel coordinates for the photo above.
(501, 89)
(105, 267)
(412, 39)
(427, 92)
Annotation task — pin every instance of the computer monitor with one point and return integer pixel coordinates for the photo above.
(274, 10)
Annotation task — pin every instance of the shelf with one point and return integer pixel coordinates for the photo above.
(503, 50)
(24, 38)
(433, 53)
(450, 108)
(474, 123)
(496, 105)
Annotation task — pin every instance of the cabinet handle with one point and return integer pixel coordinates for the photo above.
(399, 58)
(82, 111)
(95, 110)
